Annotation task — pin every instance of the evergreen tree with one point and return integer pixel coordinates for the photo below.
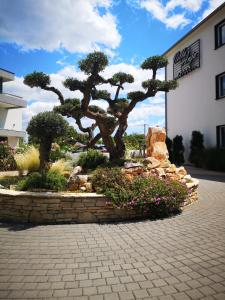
(45, 128)
(169, 144)
(197, 148)
(178, 150)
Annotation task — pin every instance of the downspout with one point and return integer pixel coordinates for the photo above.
(166, 125)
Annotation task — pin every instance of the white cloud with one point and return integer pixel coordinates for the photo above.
(176, 20)
(169, 15)
(39, 100)
(213, 4)
(166, 13)
(76, 25)
(192, 5)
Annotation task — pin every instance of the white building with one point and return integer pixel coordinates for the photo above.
(10, 113)
(197, 61)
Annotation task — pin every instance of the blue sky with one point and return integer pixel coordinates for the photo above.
(36, 35)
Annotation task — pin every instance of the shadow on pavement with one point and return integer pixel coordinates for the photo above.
(205, 174)
(16, 226)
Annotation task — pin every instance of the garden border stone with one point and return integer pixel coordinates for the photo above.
(56, 208)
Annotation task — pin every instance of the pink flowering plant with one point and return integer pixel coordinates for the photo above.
(157, 197)
(152, 196)
(7, 161)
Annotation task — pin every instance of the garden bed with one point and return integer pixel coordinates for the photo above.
(56, 208)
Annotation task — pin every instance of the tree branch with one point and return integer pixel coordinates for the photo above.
(117, 92)
(56, 91)
(93, 141)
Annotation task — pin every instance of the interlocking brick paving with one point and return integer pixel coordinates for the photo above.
(177, 258)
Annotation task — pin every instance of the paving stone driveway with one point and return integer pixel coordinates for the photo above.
(178, 258)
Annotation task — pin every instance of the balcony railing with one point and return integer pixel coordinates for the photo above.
(11, 101)
(11, 132)
(11, 95)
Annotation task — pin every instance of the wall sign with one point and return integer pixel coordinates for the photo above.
(186, 60)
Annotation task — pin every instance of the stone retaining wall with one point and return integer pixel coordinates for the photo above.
(50, 208)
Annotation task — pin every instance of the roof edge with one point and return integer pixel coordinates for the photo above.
(1, 69)
(195, 28)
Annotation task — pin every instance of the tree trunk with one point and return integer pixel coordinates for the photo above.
(115, 146)
(45, 148)
(120, 145)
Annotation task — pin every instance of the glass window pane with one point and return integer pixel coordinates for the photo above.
(222, 86)
(222, 136)
(222, 34)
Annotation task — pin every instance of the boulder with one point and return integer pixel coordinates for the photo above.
(172, 169)
(134, 171)
(76, 170)
(88, 186)
(82, 179)
(173, 176)
(83, 188)
(165, 164)
(192, 184)
(76, 181)
(181, 171)
(160, 172)
(151, 162)
(156, 145)
(129, 165)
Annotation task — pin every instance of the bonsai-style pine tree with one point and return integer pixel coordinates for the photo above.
(197, 148)
(45, 128)
(111, 123)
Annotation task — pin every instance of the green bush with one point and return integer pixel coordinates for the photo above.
(6, 181)
(46, 180)
(169, 144)
(7, 161)
(55, 181)
(155, 196)
(197, 149)
(178, 150)
(56, 153)
(91, 159)
(214, 159)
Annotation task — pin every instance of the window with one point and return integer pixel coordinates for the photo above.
(220, 34)
(221, 136)
(220, 86)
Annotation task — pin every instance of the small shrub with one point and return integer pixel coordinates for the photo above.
(214, 159)
(178, 150)
(28, 160)
(197, 149)
(33, 181)
(169, 144)
(54, 181)
(22, 147)
(106, 178)
(91, 159)
(46, 180)
(56, 153)
(155, 196)
(7, 161)
(61, 167)
(6, 181)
